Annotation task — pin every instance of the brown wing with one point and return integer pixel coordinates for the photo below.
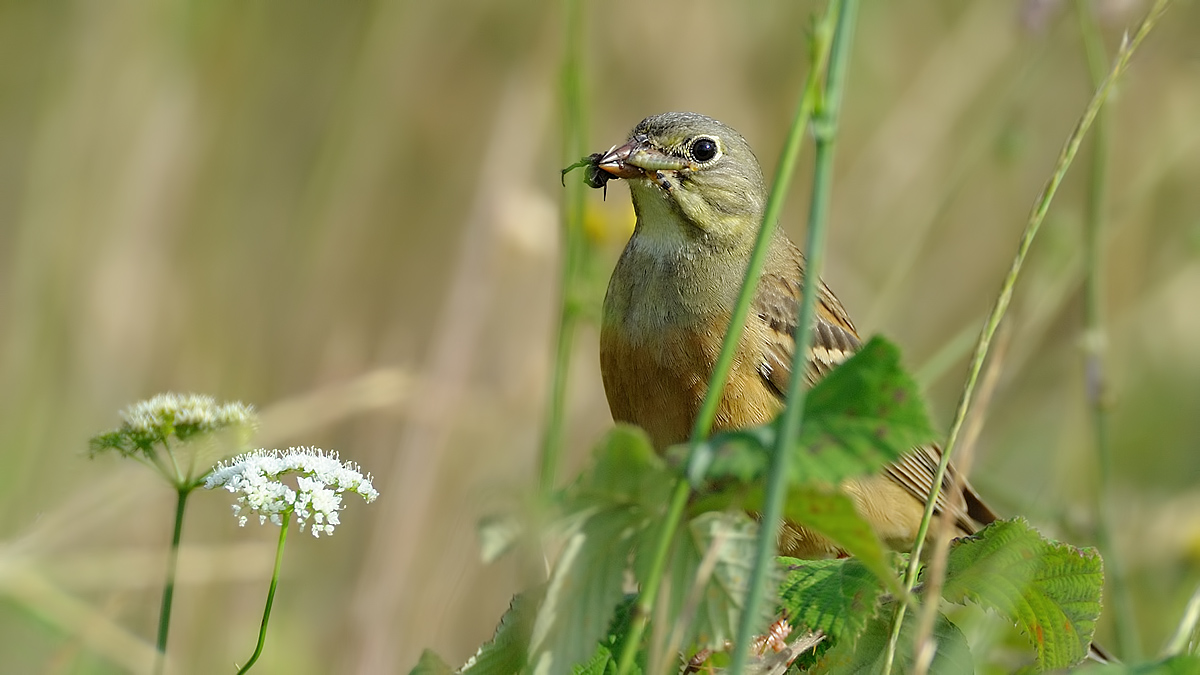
(915, 472)
(835, 340)
(777, 302)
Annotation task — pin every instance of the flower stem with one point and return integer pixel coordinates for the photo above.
(1036, 217)
(164, 613)
(843, 13)
(573, 149)
(758, 257)
(262, 630)
(1128, 641)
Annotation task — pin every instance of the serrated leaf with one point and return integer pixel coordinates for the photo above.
(740, 456)
(585, 587)
(836, 597)
(605, 515)
(866, 653)
(597, 665)
(505, 653)
(431, 664)
(730, 540)
(863, 416)
(833, 515)
(1050, 590)
(823, 511)
(618, 632)
(625, 470)
(604, 661)
(1181, 664)
(706, 608)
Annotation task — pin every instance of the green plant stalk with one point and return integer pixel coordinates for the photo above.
(1038, 214)
(1186, 631)
(701, 428)
(168, 597)
(573, 149)
(822, 42)
(649, 591)
(825, 132)
(1127, 639)
(262, 629)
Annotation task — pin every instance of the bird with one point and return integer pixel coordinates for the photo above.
(698, 196)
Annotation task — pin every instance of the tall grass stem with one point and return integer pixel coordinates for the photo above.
(822, 41)
(649, 591)
(574, 142)
(825, 120)
(1095, 342)
(924, 646)
(702, 426)
(1036, 217)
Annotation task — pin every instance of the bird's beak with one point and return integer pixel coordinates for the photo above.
(637, 158)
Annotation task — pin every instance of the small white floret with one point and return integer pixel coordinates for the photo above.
(321, 480)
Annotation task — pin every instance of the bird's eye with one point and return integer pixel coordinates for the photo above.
(703, 149)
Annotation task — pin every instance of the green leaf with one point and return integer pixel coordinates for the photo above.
(1181, 664)
(836, 597)
(585, 587)
(431, 664)
(618, 632)
(505, 653)
(709, 575)
(740, 456)
(599, 664)
(824, 511)
(833, 515)
(112, 440)
(605, 514)
(727, 542)
(865, 653)
(864, 415)
(626, 470)
(604, 661)
(1050, 590)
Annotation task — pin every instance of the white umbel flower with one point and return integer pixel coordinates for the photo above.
(321, 480)
(184, 415)
(179, 435)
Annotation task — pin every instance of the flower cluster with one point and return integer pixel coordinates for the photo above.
(147, 424)
(321, 479)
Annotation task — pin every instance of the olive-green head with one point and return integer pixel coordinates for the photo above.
(692, 174)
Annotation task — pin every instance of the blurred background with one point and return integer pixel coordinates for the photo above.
(348, 215)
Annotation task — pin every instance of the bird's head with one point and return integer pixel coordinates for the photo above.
(691, 176)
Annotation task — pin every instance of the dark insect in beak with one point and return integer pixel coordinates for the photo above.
(593, 175)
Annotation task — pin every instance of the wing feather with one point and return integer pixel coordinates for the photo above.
(835, 340)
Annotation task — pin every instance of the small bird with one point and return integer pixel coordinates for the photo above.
(699, 196)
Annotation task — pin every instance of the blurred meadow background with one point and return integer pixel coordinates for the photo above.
(348, 215)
